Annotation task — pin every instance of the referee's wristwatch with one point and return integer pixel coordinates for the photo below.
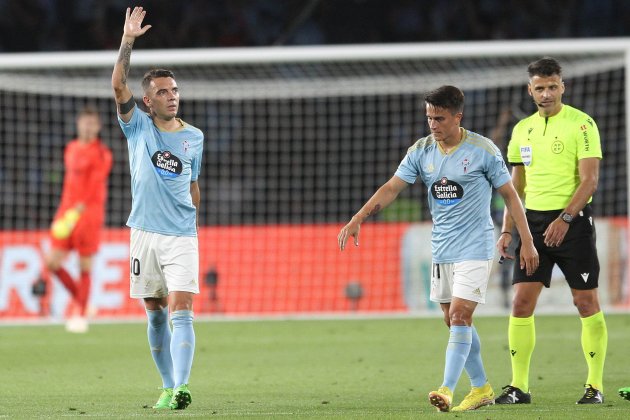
(566, 217)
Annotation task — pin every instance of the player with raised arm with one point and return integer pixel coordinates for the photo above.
(165, 160)
(81, 213)
(459, 168)
(555, 154)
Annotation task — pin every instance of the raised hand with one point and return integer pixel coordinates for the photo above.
(133, 22)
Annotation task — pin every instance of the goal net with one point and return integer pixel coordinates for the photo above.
(297, 139)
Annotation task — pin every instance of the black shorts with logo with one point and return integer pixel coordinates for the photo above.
(576, 256)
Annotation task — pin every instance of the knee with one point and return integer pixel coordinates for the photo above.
(460, 318)
(523, 306)
(586, 304)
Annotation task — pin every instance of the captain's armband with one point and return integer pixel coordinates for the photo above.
(126, 107)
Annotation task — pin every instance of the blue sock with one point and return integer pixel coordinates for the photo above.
(182, 345)
(456, 354)
(474, 365)
(159, 333)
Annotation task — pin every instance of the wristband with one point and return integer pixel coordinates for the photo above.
(509, 233)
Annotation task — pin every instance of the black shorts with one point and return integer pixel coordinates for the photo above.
(576, 256)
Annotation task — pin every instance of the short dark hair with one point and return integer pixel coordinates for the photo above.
(545, 67)
(446, 97)
(155, 74)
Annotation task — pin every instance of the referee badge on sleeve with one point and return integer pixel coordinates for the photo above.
(526, 155)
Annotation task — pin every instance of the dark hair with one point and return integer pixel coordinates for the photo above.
(155, 74)
(544, 67)
(446, 97)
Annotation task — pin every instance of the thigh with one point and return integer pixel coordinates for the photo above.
(537, 222)
(441, 283)
(470, 280)
(86, 237)
(579, 263)
(179, 256)
(146, 276)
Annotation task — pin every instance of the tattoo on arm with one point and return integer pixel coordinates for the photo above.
(375, 210)
(124, 58)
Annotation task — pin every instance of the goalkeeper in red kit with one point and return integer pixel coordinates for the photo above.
(80, 216)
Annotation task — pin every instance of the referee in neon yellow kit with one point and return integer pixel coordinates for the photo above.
(555, 154)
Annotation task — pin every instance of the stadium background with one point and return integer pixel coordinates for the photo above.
(282, 172)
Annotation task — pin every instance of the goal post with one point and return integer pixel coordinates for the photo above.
(297, 139)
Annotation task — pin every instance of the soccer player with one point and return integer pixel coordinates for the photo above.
(78, 221)
(459, 168)
(165, 159)
(555, 155)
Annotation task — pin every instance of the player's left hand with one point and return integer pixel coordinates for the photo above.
(351, 229)
(555, 233)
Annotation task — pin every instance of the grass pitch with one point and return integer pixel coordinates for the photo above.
(355, 369)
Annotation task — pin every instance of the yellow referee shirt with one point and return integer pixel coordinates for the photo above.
(550, 149)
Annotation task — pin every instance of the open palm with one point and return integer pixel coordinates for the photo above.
(133, 22)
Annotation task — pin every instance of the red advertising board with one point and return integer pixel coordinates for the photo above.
(245, 270)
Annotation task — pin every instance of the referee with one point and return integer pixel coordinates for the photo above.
(555, 155)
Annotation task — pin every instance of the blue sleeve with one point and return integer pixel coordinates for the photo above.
(408, 169)
(496, 171)
(195, 166)
(135, 125)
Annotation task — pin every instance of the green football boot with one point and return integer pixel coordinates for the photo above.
(164, 402)
(181, 398)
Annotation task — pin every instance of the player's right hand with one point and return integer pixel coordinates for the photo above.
(502, 245)
(133, 22)
(351, 229)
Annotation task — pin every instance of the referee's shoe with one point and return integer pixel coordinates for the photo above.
(513, 395)
(591, 396)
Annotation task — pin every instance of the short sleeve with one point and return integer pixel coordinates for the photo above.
(588, 141)
(135, 125)
(408, 169)
(514, 151)
(496, 170)
(195, 166)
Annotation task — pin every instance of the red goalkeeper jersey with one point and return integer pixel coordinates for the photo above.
(85, 181)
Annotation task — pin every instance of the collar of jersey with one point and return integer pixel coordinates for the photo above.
(464, 134)
(181, 127)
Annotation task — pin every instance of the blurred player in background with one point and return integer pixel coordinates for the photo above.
(555, 155)
(460, 168)
(165, 160)
(78, 221)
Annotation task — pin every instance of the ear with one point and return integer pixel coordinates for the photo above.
(529, 89)
(147, 101)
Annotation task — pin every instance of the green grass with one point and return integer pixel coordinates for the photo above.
(381, 369)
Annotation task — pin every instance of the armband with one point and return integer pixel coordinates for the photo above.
(127, 106)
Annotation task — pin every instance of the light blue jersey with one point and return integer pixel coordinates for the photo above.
(163, 164)
(460, 189)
